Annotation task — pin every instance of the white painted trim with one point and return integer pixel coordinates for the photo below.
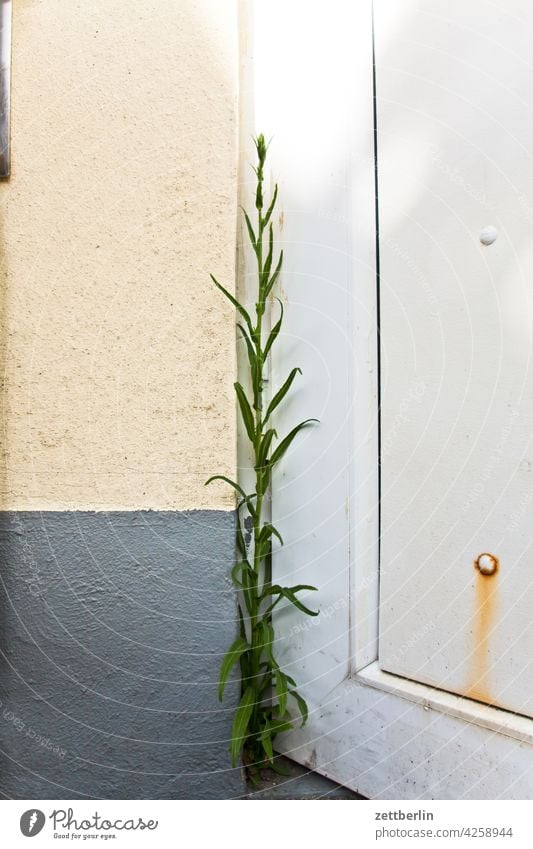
(495, 719)
(320, 115)
(363, 481)
(386, 746)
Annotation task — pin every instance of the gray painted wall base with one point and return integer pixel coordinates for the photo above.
(112, 628)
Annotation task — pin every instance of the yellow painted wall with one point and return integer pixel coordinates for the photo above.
(117, 351)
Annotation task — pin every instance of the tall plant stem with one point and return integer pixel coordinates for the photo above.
(260, 716)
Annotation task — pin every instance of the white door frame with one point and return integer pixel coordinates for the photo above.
(309, 73)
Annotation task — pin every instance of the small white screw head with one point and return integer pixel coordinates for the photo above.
(488, 235)
(487, 564)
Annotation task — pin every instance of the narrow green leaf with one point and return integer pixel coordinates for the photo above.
(240, 723)
(259, 192)
(239, 307)
(281, 692)
(252, 356)
(248, 341)
(244, 657)
(241, 544)
(249, 501)
(268, 531)
(244, 578)
(230, 659)
(235, 486)
(272, 205)
(276, 589)
(264, 479)
(265, 635)
(251, 233)
(280, 394)
(280, 725)
(289, 593)
(266, 681)
(265, 447)
(246, 411)
(290, 596)
(271, 283)
(268, 261)
(266, 741)
(273, 335)
(239, 570)
(256, 364)
(284, 444)
(302, 706)
(242, 627)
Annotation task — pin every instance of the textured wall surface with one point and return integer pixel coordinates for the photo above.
(117, 357)
(117, 350)
(113, 625)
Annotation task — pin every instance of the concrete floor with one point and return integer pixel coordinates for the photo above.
(301, 783)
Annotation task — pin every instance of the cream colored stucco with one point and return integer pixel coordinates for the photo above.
(118, 352)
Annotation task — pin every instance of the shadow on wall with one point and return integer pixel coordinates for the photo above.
(113, 622)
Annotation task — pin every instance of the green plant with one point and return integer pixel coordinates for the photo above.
(266, 690)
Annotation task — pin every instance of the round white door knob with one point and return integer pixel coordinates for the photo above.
(487, 564)
(488, 235)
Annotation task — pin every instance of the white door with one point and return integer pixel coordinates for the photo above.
(414, 648)
(455, 131)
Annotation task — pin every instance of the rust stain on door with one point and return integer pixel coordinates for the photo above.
(484, 618)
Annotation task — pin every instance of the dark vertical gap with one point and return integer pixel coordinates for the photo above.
(378, 292)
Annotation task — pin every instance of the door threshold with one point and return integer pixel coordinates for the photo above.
(496, 719)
